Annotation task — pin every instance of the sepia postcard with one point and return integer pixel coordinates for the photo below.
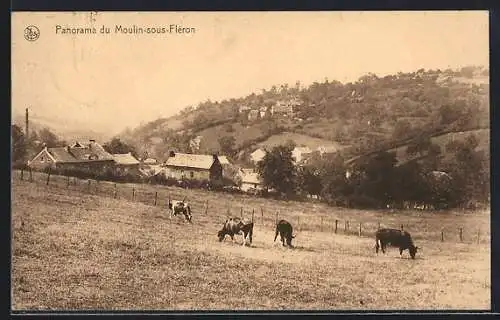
(242, 161)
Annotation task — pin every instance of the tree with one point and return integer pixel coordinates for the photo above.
(49, 138)
(116, 146)
(277, 170)
(227, 145)
(18, 145)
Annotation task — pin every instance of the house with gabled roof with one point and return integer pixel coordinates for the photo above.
(78, 156)
(182, 166)
(126, 163)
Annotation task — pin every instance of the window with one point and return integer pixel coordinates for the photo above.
(191, 174)
(42, 159)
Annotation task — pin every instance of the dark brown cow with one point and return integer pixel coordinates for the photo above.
(395, 238)
(285, 230)
(235, 226)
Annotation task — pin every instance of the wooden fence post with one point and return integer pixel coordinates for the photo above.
(478, 232)
(276, 220)
(133, 194)
(48, 177)
(321, 227)
(442, 235)
(115, 195)
(461, 235)
(156, 197)
(359, 234)
(253, 212)
(206, 208)
(336, 223)
(22, 174)
(241, 212)
(31, 174)
(67, 181)
(261, 216)
(88, 186)
(298, 222)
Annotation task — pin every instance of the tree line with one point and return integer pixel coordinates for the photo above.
(458, 177)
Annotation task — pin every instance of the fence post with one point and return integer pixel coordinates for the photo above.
(206, 208)
(48, 176)
(133, 194)
(276, 220)
(461, 235)
(261, 216)
(478, 231)
(378, 226)
(359, 234)
(31, 174)
(67, 181)
(156, 197)
(22, 174)
(115, 193)
(298, 222)
(253, 212)
(336, 223)
(442, 235)
(241, 212)
(88, 186)
(321, 227)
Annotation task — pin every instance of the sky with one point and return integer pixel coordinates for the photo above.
(107, 82)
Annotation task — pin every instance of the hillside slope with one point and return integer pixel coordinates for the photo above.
(365, 115)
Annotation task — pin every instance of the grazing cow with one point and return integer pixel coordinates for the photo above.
(285, 230)
(176, 207)
(234, 226)
(395, 238)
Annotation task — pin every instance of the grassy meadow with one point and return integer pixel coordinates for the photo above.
(76, 247)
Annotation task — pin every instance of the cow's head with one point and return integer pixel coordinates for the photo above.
(413, 251)
(221, 234)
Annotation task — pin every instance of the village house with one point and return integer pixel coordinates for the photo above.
(257, 155)
(281, 107)
(126, 163)
(243, 109)
(193, 167)
(89, 157)
(250, 180)
(300, 153)
(253, 115)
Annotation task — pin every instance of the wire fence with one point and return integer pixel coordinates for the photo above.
(208, 203)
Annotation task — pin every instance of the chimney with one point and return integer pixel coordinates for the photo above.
(27, 125)
(216, 157)
(171, 154)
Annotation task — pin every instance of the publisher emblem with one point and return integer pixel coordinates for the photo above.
(31, 33)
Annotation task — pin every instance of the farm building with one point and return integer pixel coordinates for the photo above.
(250, 180)
(89, 157)
(193, 167)
(150, 161)
(253, 115)
(327, 149)
(126, 163)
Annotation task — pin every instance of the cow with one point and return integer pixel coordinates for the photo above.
(395, 238)
(285, 230)
(176, 207)
(233, 226)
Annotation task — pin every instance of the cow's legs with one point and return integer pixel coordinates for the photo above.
(282, 240)
(401, 252)
(244, 238)
(376, 246)
(383, 247)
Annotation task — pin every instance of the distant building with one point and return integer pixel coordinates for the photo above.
(299, 153)
(326, 149)
(257, 155)
(193, 167)
(126, 163)
(253, 115)
(244, 109)
(90, 157)
(250, 180)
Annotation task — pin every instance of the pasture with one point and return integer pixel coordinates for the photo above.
(74, 247)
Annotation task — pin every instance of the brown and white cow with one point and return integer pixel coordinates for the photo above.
(234, 226)
(180, 207)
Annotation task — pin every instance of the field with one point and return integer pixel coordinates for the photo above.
(76, 247)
